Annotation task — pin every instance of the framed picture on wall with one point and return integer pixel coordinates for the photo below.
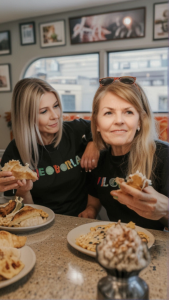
(5, 78)
(108, 26)
(52, 34)
(160, 21)
(5, 44)
(27, 33)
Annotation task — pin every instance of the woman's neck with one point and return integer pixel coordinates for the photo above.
(120, 150)
(47, 138)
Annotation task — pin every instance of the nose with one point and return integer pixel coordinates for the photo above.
(118, 118)
(54, 114)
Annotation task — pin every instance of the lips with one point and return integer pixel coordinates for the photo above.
(119, 131)
(53, 125)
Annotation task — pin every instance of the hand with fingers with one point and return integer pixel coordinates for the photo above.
(89, 212)
(90, 157)
(7, 181)
(147, 203)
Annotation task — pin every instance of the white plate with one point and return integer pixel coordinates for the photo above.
(50, 218)
(83, 229)
(28, 257)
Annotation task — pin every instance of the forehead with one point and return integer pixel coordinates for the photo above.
(47, 98)
(113, 101)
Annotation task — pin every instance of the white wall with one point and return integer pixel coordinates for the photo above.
(22, 55)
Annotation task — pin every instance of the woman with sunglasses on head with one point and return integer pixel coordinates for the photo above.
(53, 148)
(123, 125)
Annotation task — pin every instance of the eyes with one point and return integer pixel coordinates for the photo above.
(127, 112)
(44, 111)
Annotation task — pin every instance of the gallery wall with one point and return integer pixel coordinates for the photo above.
(22, 56)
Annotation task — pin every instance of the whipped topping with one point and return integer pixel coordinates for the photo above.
(145, 181)
(122, 249)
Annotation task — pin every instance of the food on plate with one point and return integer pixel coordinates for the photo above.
(8, 208)
(10, 263)
(15, 214)
(95, 236)
(98, 233)
(144, 237)
(8, 239)
(20, 172)
(9, 266)
(136, 180)
(28, 216)
(122, 249)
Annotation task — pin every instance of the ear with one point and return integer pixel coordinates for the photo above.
(98, 130)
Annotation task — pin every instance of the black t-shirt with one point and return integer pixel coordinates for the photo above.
(62, 184)
(110, 167)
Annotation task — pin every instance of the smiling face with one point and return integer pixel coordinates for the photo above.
(49, 115)
(117, 122)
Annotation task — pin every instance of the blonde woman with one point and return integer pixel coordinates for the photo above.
(53, 148)
(123, 125)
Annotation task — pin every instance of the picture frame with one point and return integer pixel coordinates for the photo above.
(52, 34)
(27, 33)
(160, 21)
(5, 78)
(5, 42)
(123, 24)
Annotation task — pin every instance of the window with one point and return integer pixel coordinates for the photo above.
(150, 68)
(75, 78)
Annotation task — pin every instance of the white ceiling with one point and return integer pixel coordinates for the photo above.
(11, 10)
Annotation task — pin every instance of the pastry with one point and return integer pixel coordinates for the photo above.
(20, 172)
(8, 239)
(136, 180)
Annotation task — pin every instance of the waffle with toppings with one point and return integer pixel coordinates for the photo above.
(98, 233)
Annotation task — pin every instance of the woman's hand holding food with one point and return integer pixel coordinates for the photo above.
(147, 203)
(90, 157)
(7, 181)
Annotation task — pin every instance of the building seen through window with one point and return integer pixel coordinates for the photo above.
(74, 77)
(150, 68)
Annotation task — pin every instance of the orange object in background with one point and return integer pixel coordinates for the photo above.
(163, 127)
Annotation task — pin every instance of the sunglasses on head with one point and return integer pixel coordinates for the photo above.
(124, 79)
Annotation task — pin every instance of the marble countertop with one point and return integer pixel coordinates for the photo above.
(61, 272)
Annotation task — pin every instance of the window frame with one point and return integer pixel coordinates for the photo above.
(135, 49)
(74, 54)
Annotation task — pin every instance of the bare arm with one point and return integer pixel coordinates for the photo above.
(92, 208)
(24, 191)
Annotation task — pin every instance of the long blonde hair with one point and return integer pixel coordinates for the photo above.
(143, 145)
(25, 107)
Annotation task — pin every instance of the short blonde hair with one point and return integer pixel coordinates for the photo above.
(143, 145)
(25, 107)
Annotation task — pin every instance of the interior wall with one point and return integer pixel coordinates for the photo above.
(21, 56)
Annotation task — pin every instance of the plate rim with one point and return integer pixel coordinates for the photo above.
(23, 273)
(92, 253)
(24, 229)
